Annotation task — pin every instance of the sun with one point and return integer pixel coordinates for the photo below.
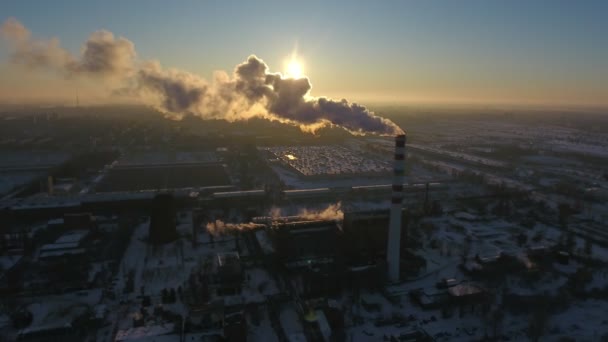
(294, 68)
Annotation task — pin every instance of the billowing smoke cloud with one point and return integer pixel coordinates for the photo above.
(102, 54)
(105, 55)
(34, 53)
(251, 91)
(173, 91)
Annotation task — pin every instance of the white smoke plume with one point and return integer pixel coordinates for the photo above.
(333, 212)
(250, 91)
(219, 227)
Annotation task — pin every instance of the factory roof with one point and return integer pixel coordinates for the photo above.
(56, 221)
(67, 243)
(328, 160)
(58, 246)
(245, 193)
(72, 237)
(306, 192)
(462, 290)
(50, 254)
(144, 333)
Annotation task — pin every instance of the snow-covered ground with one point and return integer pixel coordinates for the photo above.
(11, 180)
(8, 261)
(291, 324)
(583, 321)
(262, 331)
(58, 311)
(168, 265)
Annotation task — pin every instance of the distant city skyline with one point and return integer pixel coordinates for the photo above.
(435, 52)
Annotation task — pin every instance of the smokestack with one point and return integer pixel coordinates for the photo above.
(394, 229)
(50, 186)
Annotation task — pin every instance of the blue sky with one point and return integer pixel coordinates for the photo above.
(529, 51)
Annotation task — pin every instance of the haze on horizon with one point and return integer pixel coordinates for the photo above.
(436, 52)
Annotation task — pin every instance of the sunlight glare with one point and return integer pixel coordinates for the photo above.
(294, 68)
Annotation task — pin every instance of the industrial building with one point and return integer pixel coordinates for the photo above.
(229, 262)
(155, 177)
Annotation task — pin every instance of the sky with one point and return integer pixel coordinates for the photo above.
(513, 52)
